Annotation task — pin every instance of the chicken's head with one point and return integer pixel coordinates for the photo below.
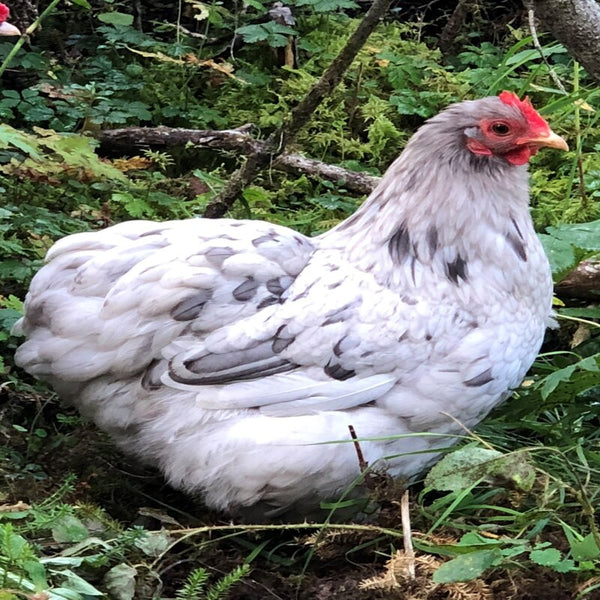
(515, 131)
(6, 28)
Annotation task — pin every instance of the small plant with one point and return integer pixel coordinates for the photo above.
(195, 588)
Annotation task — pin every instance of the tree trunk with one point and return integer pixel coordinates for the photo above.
(576, 25)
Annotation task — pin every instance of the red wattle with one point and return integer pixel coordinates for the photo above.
(520, 156)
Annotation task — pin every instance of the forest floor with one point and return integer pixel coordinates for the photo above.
(287, 563)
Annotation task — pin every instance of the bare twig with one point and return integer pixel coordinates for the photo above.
(370, 478)
(278, 140)
(409, 551)
(362, 463)
(529, 6)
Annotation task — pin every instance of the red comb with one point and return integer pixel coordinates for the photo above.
(4, 12)
(535, 120)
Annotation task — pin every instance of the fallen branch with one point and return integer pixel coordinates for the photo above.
(134, 139)
(581, 282)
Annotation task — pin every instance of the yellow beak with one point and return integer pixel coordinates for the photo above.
(550, 140)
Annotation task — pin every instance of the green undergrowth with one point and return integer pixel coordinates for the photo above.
(515, 503)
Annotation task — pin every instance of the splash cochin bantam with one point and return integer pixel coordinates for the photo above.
(228, 353)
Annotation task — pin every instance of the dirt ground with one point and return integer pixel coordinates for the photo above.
(292, 564)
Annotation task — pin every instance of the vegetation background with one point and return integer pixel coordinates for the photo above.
(510, 514)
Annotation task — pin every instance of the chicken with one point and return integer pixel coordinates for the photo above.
(6, 29)
(235, 355)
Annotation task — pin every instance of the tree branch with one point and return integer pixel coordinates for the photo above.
(530, 7)
(133, 139)
(300, 115)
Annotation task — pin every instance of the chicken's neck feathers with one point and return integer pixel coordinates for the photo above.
(443, 203)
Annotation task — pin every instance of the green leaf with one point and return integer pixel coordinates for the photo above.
(547, 557)
(77, 584)
(467, 466)
(585, 549)
(8, 318)
(65, 593)
(274, 34)
(565, 566)
(13, 546)
(410, 104)
(82, 3)
(590, 363)
(551, 381)
(69, 529)
(253, 33)
(255, 4)
(120, 582)
(255, 194)
(527, 55)
(560, 253)
(13, 303)
(24, 142)
(581, 235)
(472, 538)
(36, 572)
(116, 18)
(154, 543)
(322, 6)
(15, 269)
(583, 312)
(135, 207)
(467, 567)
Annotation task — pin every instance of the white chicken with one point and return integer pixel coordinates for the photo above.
(235, 354)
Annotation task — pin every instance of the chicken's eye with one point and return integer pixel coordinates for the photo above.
(500, 128)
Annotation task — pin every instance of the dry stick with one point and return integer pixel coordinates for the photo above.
(409, 551)
(370, 478)
(536, 42)
(301, 114)
(362, 463)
